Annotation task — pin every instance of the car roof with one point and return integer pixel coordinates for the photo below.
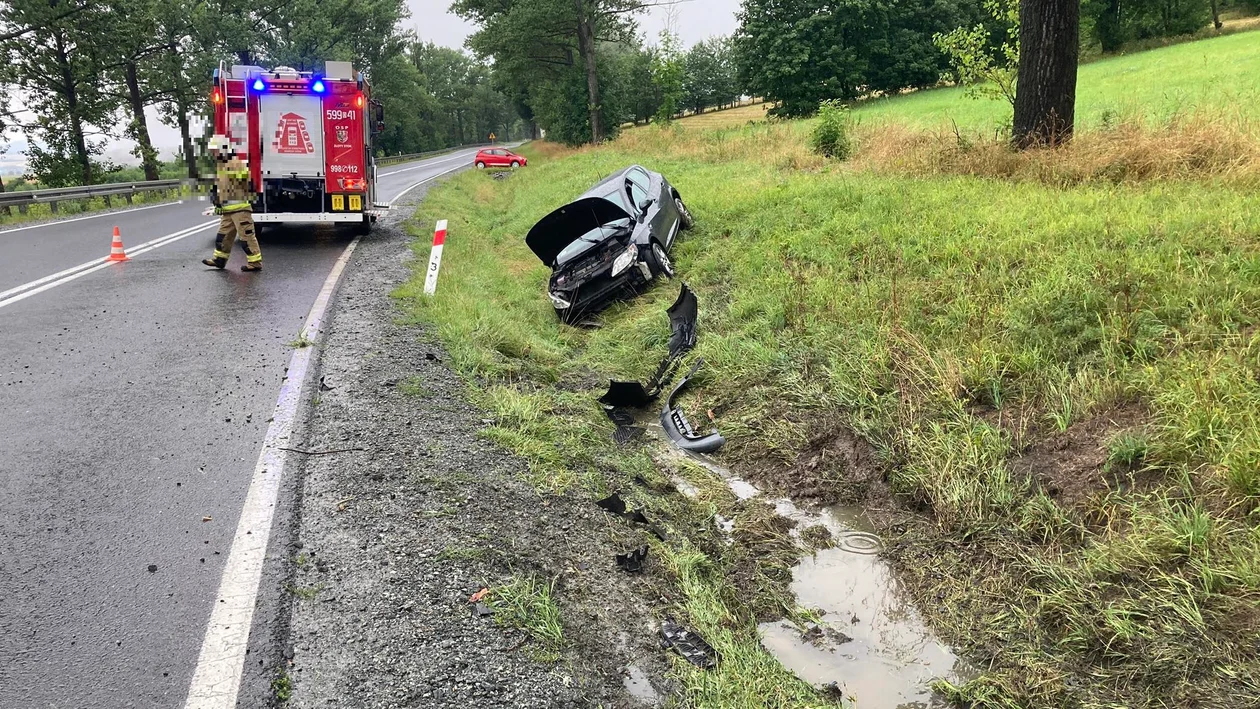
(599, 189)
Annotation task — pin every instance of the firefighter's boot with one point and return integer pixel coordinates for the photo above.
(216, 262)
(252, 266)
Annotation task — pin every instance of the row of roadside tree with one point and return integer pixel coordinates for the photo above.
(77, 75)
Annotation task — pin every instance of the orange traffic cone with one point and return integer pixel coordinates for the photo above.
(116, 252)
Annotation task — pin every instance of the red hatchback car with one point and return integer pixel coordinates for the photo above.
(498, 157)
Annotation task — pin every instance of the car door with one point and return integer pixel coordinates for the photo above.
(639, 188)
(661, 214)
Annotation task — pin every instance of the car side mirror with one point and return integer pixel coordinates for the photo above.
(645, 203)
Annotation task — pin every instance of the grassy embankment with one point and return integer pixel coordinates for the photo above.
(1062, 384)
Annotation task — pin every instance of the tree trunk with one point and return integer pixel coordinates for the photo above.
(7, 211)
(185, 135)
(72, 105)
(1045, 92)
(586, 48)
(139, 127)
(1108, 29)
(1216, 15)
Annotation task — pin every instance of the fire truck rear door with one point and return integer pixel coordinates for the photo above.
(292, 136)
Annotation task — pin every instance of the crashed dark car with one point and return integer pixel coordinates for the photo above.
(612, 240)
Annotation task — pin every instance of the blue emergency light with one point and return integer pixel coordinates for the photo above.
(318, 86)
(259, 85)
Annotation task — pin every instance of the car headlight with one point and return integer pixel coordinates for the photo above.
(625, 259)
(558, 302)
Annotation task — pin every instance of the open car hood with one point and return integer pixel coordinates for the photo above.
(567, 224)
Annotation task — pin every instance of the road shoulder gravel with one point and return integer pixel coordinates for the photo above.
(419, 512)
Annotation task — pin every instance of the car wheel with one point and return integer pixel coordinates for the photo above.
(686, 221)
(658, 261)
(481, 165)
(515, 164)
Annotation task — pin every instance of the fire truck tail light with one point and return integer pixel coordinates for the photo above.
(358, 101)
(356, 184)
(216, 96)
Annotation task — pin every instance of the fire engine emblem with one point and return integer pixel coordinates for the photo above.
(343, 135)
(291, 136)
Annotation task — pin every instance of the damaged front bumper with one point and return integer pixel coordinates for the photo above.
(598, 292)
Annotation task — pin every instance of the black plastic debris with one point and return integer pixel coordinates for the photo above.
(613, 503)
(628, 394)
(682, 323)
(624, 435)
(688, 644)
(679, 429)
(632, 561)
(621, 417)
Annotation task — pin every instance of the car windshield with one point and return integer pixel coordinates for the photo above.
(585, 241)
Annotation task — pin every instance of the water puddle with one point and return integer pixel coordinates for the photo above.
(869, 642)
(639, 685)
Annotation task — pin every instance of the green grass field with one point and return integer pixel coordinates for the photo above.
(1215, 76)
(1062, 385)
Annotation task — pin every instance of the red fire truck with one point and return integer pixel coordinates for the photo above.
(308, 138)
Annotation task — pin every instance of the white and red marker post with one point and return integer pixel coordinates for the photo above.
(435, 258)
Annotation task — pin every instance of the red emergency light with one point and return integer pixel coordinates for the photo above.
(216, 97)
(358, 101)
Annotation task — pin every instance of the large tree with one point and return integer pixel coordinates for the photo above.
(802, 52)
(546, 43)
(56, 57)
(1045, 90)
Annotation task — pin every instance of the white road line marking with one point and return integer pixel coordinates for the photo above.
(90, 216)
(216, 680)
(421, 182)
(463, 156)
(27, 290)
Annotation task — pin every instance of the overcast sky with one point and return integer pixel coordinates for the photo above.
(694, 20)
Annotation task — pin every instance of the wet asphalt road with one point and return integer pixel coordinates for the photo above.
(133, 403)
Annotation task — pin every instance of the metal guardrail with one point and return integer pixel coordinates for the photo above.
(392, 159)
(51, 197)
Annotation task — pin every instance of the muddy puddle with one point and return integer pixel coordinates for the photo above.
(869, 641)
(639, 685)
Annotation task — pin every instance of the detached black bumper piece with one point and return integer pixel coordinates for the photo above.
(679, 429)
(682, 324)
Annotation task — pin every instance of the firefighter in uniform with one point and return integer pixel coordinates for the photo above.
(231, 200)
